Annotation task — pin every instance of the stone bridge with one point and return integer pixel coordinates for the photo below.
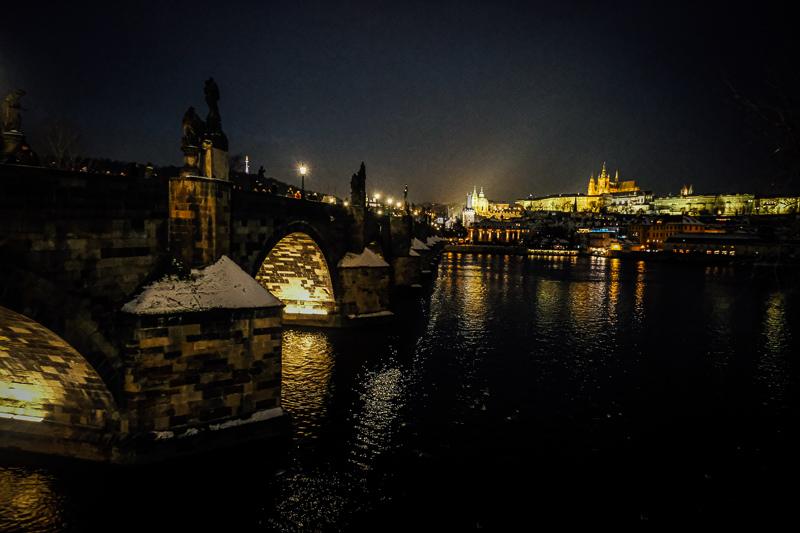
(75, 248)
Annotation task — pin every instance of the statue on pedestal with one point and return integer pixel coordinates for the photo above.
(11, 107)
(193, 128)
(193, 131)
(204, 145)
(212, 97)
(13, 138)
(358, 187)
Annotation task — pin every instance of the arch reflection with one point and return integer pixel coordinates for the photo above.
(306, 380)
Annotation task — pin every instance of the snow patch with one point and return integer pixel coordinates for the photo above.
(367, 258)
(417, 244)
(371, 315)
(222, 285)
(257, 417)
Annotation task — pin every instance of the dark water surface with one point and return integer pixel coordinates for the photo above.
(510, 394)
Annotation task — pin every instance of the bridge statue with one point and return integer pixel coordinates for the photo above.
(13, 138)
(193, 127)
(204, 144)
(212, 97)
(358, 187)
(11, 107)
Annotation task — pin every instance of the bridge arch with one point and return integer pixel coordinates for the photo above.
(41, 301)
(44, 379)
(297, 269)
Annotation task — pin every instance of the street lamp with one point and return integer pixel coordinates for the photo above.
(303, 183)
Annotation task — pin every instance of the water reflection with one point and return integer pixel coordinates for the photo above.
(28, 501)
(628, 380)
(773, 365)
(306, 380)
(380, 402)
(638, 313)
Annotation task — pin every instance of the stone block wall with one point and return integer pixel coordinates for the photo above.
(406, 270)
(94, 236)
(365, 290)
(190, 370)
(199, 219)
(260, 219)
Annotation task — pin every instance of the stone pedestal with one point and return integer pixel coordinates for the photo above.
(190, 160)
(216, 164)
(199, 219)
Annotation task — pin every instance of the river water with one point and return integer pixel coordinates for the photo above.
(510, 393)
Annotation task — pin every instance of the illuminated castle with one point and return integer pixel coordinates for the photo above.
(478, 202)
(606, 186)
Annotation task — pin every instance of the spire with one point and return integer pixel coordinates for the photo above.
(616, 178)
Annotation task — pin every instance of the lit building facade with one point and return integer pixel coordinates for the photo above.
(726, 204)
(650, 233)
(629, 202)
(494, 231)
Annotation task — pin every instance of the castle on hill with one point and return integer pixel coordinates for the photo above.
(606, 186)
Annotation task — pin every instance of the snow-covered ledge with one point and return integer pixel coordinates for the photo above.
(367, 258)
(222, 285)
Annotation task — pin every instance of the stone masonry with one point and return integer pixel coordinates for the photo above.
(187, 370)
(199, 219)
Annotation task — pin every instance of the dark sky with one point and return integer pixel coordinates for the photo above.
(517, 97)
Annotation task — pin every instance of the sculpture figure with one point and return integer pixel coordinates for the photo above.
(212, 97)
(11, 107)
(358, 187)
(193, 127)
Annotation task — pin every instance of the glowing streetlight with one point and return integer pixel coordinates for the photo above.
(303, 182)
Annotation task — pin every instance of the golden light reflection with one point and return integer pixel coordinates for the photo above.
(613, 291)
(774, 368)
(306, 369)
(638, 314)
(27, 501)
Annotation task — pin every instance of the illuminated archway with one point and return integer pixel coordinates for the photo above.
(296, 272)
(42, 378)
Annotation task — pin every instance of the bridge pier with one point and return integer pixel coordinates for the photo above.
(203, 353)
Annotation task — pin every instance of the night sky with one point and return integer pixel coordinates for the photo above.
(521, 98)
